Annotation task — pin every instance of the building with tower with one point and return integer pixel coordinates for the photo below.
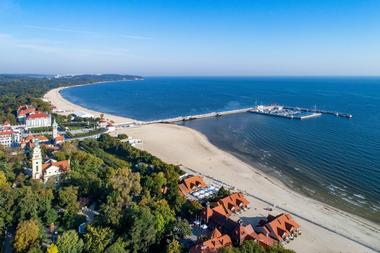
(37, 162)
(57, 138)
(50, 168)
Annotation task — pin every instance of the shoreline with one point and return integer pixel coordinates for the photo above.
(321, 223)
(55, 97)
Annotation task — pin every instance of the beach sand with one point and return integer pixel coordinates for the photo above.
(325, 229)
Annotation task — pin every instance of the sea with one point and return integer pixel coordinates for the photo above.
(331, 159)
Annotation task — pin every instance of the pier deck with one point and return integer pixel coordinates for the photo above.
(312, 113)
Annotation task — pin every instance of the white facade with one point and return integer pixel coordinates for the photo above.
(37, 162)
(55, 129)
(38, 122)
(51, 171)
(10, 138)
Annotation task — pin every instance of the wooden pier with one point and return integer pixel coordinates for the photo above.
(199, 116)
(313, 113)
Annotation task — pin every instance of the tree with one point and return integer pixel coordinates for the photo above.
(142, 230)
(68, 199)
(117, 247)
(27, 234)
(69, 242)
(97, 239)
(60, 156)
(155, 183)
(50, 216)
(125, 183)
(180, 229)
(52, 248)
(3, 179)
(173, 247)
(191, 208)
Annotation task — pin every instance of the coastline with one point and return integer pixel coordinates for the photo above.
(321, 224)
(55, 98)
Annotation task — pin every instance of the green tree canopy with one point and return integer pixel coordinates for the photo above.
(27, 234)
(69, 242)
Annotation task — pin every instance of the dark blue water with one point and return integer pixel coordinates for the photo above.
(332, 159)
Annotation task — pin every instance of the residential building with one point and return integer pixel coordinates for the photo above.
(188, 184)
(23, 111)
(9, 137)
(29, 141)
(51, 168)
(234, 203)
(281, 227)
(216, 242)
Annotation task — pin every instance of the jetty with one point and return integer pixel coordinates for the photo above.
(200, 116)
(269, 110)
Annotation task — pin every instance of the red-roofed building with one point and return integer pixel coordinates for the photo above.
(281, 227)
(59, 139)
(52, 168)
(38, 119)
(23, 111)
(213, 245)
(233, 203)
(188, 184)
(8, 136)
(29, 140)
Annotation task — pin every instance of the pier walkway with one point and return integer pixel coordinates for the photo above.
(313, 113)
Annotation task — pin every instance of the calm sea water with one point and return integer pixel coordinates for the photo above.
(332, 159)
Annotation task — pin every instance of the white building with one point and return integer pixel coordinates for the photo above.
(38, 119)
(52, 168)
(9, 137)
(49, 169)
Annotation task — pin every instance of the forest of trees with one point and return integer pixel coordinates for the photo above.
(124, 184)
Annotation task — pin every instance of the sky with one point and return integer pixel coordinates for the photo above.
(191, 37)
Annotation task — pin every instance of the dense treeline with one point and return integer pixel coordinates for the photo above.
(16, 90)
(135, 194)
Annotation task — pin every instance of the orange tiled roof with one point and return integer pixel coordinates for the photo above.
(59, 138)
(37, 115)
(215, 233)
(241, 232)
(187, 184)
(230, 204)
(281, 226)
(24, 110)
(213, 245)
(226, 207)
(63, 165)
(30, 138)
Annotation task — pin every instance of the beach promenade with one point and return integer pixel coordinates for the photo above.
(325, 229)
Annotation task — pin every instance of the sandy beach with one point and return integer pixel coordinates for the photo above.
(325, 229)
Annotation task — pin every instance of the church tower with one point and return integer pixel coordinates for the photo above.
(37, 162)
(55, 130)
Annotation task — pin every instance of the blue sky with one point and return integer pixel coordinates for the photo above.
(186, 37)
